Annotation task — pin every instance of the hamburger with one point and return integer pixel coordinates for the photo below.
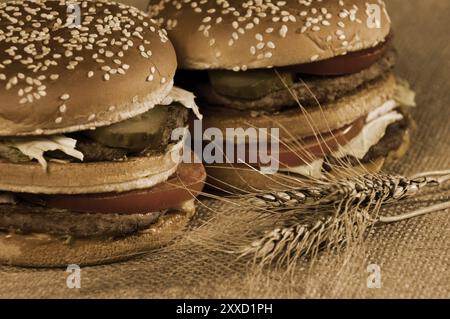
(89, 170)
(320, 71)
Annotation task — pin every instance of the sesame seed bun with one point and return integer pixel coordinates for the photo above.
(38, 250)
(114, 65)
(240, 35)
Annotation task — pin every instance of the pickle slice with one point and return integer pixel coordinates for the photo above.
(134, 134)
(251, 84)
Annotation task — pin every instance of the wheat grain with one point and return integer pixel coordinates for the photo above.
(330, 213)
(363, 189)
(307, 235)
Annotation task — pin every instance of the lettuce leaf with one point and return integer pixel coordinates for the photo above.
(370, 135)
(185, 98)
(19, 148)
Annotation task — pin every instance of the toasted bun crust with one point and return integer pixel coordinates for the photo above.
(332, 116)
(55, 78)
(86, 178)
(46, 251)
(240, 35)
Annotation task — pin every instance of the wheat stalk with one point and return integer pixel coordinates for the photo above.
(364, 188)
(305, 237)
(329, 214)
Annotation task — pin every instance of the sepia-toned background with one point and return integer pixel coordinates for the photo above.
(414, 256)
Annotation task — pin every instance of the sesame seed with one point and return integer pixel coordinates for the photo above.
(283, 31)
(31, 39)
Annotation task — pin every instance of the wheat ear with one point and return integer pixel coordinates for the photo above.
(391, 188)
(331, 213)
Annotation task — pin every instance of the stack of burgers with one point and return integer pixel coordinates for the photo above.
(89, 171)
(320, 71)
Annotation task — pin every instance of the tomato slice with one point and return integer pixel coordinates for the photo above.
(312, 148)
(186, 184)
(352, 62)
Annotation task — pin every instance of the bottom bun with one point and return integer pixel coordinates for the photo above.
(39, 250)
(240, 178)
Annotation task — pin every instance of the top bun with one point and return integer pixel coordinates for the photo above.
(248, 34)
(66, 68)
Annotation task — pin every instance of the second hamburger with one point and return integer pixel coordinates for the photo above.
(320, 71)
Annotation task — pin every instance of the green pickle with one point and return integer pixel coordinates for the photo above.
(12, 154)
(252, 84)
(134, 134)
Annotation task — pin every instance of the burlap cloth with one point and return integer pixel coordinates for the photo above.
(414, 256)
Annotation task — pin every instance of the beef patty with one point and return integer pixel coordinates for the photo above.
(391, 141)
(309, 89)
(26, 218)
(96, 152)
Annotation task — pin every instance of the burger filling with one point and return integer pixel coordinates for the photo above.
(110, 214)
(384, 131)
(144, 135)
(147, 134)
(263, 92)
(268, 90)
(24, 218)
